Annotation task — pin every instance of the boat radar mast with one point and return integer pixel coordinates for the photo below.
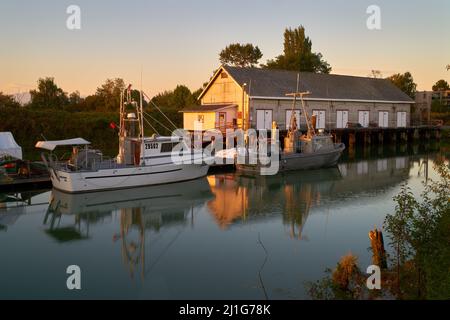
(131, 131)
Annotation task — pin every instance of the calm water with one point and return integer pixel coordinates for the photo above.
(203, 239)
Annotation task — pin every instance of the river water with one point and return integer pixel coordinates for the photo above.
(222, 237)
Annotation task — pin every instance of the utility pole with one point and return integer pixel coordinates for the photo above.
(244, 115)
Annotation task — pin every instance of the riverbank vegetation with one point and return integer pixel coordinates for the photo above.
(419, 237)
(53, 114)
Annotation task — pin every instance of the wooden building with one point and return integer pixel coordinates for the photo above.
(255, 98)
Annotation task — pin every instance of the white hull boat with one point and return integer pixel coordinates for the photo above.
(142, 161)
(126, 177)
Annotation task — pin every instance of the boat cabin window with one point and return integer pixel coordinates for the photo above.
(168, 147)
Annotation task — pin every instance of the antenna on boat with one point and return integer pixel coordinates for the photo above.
(141, 123)
(293, 116)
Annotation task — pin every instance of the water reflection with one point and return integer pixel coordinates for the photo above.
(243, 199)
(139, 210)
(210, 226)
(13, 205)
(230, 199)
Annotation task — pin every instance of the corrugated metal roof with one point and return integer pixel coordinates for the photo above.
(277, 83)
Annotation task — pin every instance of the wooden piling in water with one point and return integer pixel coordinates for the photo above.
(378, 250)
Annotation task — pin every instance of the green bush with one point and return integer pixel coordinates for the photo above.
(29, 126)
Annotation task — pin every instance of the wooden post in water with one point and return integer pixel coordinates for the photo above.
(403, 136)
(416, 135)
(380, 137)
(379, 253)
(438, 134)
(351, 144)
(367, 139)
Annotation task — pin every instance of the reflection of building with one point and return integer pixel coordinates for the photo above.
(293, 196)
(249, 199)
(230, 201)
(366, 175)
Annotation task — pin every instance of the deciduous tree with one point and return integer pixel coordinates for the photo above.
(240, 55)
(441, 85)
(404, 82)
(8, 101)
(109, 93)
(48, 95)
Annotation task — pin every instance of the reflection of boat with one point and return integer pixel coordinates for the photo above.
(142, 161)
(138, 209)
(158, 199)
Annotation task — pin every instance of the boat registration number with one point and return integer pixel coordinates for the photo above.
(151, 146)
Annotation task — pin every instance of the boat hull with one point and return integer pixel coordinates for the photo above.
(124, 178)
(301, 161)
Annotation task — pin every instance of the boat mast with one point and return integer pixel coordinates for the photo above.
(141, 122)
(311, 131)
(141, 125)
(293, 116)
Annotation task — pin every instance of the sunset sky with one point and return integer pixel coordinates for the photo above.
(177, 42)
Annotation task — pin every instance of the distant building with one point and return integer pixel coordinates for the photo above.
(425, 99)
(255, 98)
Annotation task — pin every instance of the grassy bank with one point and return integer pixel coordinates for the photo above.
(29, 126)
(444, 116)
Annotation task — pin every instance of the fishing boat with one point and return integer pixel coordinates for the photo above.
(313, 150)
(142, 161)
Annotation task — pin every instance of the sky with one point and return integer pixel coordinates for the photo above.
(173, 42)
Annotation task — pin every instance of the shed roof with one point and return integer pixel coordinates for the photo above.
(265, 83)
(209, 108)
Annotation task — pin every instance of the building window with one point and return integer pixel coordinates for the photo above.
(320, 118)
(224, 75)
(201, 118)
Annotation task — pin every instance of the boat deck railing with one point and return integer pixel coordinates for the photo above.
(92, 165)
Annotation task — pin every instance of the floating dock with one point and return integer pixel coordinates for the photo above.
(8, 184)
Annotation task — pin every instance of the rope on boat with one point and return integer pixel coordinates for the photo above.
(167, 118)
(158, 122)
(148, 122)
